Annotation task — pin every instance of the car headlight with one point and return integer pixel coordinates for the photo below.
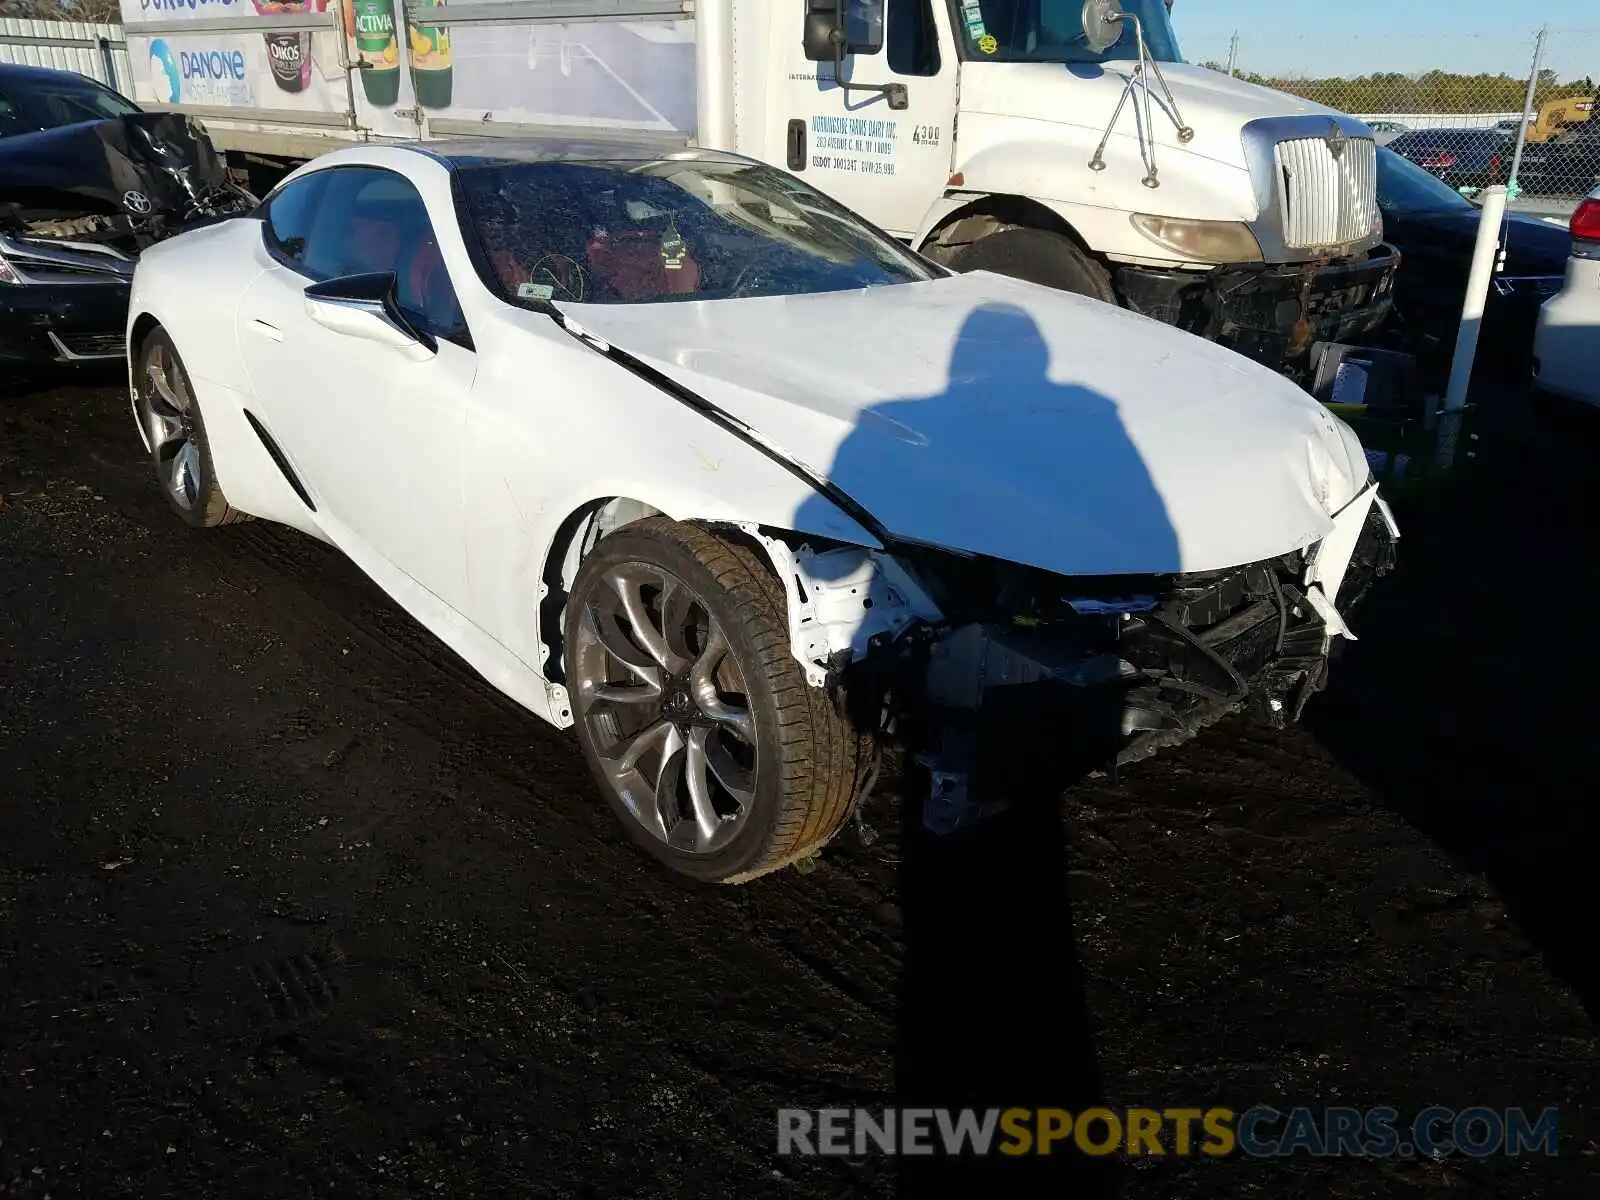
(1201, 241)
(8, 273)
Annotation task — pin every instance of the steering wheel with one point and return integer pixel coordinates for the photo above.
(566, 279)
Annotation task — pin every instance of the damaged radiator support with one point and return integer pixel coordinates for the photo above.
(1019, 710)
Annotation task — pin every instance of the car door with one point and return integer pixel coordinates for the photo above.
(372, 429)
(885, 163)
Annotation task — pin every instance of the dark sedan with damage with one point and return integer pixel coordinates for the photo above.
(1435, 229)
(87, 181)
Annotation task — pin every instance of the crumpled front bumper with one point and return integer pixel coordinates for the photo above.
(1271, 313)
(1132, 676)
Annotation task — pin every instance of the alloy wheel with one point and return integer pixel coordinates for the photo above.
(665, 706)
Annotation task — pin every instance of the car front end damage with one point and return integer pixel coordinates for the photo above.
(1270, 312)
(998, 679)
(77, 206)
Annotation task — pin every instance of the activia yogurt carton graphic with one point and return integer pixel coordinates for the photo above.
(375, 50)
(431, 68)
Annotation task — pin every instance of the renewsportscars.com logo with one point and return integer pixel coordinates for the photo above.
(216, 75)
(1259, 1132)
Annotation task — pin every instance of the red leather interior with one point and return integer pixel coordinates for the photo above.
(424, 280)
(630, 263)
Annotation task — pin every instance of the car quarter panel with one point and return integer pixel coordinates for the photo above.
(555, 426)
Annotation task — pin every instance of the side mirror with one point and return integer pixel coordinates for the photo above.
(365, 306)
(1102, 24)
(835, 28)
(823, 37)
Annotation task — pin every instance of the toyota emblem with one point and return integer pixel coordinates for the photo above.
(136, 202)
(1336, 141)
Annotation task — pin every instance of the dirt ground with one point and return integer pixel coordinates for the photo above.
(291, 904)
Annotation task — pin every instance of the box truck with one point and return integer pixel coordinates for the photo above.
(1065, 142)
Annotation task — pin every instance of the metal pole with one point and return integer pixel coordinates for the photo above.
(1484, 256)
(1527, 104)
(109, 62)
(1233, 54)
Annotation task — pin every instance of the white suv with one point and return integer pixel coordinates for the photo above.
(1566, 349)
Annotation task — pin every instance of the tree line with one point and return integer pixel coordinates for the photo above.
(1432, 92)
(95, 11)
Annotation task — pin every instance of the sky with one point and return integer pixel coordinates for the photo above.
(1355, 37)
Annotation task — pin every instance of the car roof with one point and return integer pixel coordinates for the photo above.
(487, 151)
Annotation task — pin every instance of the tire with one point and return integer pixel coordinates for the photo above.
(1038, 257)
(179, 450)
(778, 780)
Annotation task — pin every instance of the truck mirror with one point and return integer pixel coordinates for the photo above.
(823, 37)
(835, 28)
(1102, 24)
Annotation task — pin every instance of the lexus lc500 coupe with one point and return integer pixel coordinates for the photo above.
(678, 452)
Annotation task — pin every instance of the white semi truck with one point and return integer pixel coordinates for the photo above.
(1061, 141)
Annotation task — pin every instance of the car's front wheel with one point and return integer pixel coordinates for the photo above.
(170, 414)
(694, 717)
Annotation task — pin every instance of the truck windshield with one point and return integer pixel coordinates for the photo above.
(1052, 31)
(598, 232)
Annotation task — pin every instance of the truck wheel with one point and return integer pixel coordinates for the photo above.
(694, 717)
(170, 414)
(1038, 257)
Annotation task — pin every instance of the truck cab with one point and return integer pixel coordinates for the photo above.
(1069, 143)
(1065, 142)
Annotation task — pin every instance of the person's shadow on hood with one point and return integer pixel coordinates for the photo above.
(1009, 463)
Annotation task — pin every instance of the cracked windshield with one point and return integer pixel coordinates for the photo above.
(632, 233)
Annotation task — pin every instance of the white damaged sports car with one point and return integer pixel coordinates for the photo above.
(677, 451)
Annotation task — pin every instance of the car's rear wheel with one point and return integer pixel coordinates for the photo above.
(170, 414)
(695, 718)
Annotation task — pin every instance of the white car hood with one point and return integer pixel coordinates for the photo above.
(1216, 106)
(998, 417)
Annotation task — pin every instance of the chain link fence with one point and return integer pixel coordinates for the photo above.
(1515, 108)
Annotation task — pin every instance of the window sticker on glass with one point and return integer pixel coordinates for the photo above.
(988, 44)
(535, 291)
(972, 12)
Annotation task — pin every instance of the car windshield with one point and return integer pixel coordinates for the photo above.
(1404, 187)
(1052, 31)
(674, 229)
(49, 102)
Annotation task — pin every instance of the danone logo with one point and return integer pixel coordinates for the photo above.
(220, 65)
(214, 74)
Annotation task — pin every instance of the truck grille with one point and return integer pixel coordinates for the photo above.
(1328, 199)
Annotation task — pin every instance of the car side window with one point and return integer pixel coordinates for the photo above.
(289, 213)
(371, 220)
